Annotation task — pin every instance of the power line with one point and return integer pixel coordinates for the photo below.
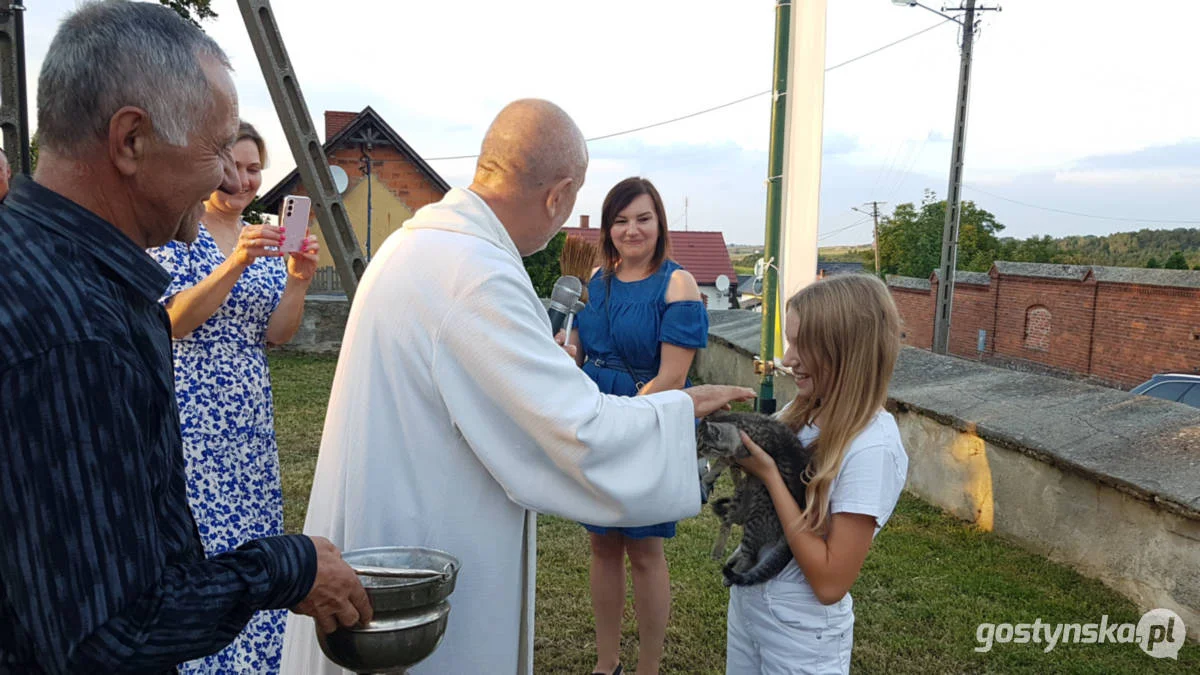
(680, 118)
(843, 229)
(890, 44)
(1083, 215)
(909, 168)
(723, 105)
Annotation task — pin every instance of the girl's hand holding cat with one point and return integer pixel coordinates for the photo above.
(759, 464)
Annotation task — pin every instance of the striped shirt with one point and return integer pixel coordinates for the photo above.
(101, 566)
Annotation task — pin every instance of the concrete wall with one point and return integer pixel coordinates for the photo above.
(1149, 554)
(323, 325)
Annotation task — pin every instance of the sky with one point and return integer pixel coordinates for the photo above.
(1091, 108)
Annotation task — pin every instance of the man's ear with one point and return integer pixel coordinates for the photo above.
(556, 199)
(129, 135)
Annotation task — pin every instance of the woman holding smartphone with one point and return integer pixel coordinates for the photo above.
(231, 294)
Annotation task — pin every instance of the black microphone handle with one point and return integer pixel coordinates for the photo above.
(557, 319)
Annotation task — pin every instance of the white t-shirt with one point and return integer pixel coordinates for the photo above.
(873, 472)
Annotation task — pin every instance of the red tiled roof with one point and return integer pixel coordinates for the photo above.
(702, 253)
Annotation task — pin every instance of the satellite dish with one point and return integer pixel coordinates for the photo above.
(758, 268)
(722, 283)
(340, 179)
(758, 286)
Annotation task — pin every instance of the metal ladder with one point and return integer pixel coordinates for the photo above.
(13, 106)
(311, 161)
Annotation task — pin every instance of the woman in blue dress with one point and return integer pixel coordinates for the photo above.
(640, 331)
(231, 294)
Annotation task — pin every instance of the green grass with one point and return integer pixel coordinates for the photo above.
(928, 582)
(300, 385)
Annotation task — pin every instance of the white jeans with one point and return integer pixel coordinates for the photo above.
(779, 628)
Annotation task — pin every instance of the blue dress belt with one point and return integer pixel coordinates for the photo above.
(640, 377)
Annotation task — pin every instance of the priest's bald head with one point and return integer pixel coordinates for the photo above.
(530, 169)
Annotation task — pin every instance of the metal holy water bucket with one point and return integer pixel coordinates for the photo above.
(410, 610)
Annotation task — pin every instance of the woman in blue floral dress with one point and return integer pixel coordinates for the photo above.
(231, 295)
(640, 331)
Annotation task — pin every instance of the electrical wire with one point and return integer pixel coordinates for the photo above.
(723, 105)
(1082, 215)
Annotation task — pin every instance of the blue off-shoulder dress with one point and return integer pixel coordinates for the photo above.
(631, 346)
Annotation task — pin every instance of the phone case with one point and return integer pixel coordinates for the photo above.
(293, 220)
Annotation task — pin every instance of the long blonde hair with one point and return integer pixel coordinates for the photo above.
(848, 340)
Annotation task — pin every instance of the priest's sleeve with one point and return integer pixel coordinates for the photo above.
(543, 429)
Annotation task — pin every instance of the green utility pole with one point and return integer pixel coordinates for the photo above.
(766, 363)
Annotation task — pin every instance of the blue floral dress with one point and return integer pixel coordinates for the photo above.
(641, 320)
(227, 419)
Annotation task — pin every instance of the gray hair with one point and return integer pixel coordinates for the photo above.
(112, 54)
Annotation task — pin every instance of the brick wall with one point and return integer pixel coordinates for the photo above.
(336, 120)
(916, 311)
(1070, 304)
(391, 167)
(1119, 333)
(1143, 330)
(973, 310)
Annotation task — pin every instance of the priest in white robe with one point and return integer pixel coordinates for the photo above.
(455, 416)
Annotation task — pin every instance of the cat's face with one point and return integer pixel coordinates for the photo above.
(717, 440)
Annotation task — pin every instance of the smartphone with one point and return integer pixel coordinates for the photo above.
(293, 221)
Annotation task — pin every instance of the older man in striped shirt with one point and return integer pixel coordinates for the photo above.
(101, 567)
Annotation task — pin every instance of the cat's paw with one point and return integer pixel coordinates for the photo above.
(735, 578)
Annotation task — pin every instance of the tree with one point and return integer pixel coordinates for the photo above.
(543, 266)
(194, 11)
(1176, 262)
(1152, 263)
(910, 240)
(745, 264)
(34, 143)
(1034, 249)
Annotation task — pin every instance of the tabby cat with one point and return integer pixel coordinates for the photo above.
(764, 551)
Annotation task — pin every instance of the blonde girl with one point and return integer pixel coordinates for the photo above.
(843, 337)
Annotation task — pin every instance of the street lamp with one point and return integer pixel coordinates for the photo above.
(914, 3)
(941, 321)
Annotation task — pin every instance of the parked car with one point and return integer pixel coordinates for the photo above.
(1178, 387)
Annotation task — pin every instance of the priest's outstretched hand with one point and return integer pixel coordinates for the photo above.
(709, 398)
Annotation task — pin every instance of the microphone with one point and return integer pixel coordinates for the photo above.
(562, 301)
(575, 309)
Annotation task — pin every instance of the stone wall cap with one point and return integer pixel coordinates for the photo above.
(1142, 446)
(1043, 270)
(973, 278)
(1135, 276)
(913, 283)
(1147, 277)
(739, 328)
